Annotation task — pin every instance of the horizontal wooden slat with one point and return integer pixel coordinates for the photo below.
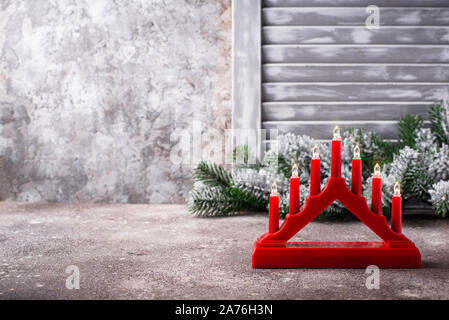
(362, 73)
(354, 35)
(355, 3)
(267, 144)
(353, 92)
(355, 54)
(323, 130)
(353, 16)
(339, 111)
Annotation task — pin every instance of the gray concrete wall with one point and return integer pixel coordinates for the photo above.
(90, 92)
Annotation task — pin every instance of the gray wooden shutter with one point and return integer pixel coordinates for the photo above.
(246, 72)
(321, 66)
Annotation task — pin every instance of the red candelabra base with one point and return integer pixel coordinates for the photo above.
(273, 250)
(335, 255)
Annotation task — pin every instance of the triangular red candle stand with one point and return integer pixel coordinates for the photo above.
(273, 250)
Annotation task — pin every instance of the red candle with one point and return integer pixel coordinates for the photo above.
(376, 191)
(396, 209)
(336, 154)
(294, 190)
(356, 180)
(315, 172)
(273, 213)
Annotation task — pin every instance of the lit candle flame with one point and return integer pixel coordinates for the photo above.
(316, 152)
(295, 170)
(377, 170)
(274, 189)
(397, 189)
(337, 133)
(357, 151)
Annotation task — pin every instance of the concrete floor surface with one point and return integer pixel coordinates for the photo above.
(126, 251)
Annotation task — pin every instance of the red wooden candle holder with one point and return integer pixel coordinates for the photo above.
(272, 250)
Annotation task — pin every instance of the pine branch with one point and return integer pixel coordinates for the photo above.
(388, 148)
(407, 130)
(437, 122)
(219, 201)
(212, 175)
(417, 182)
(373, 148)
(440, 198)
(411, 168)
(250, 201)
(213, 201)
(216, 194)
(418, 162)
(283, 167)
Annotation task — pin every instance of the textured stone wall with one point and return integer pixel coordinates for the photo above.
(90, 92)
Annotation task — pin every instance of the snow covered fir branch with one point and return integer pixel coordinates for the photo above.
(419, 161)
